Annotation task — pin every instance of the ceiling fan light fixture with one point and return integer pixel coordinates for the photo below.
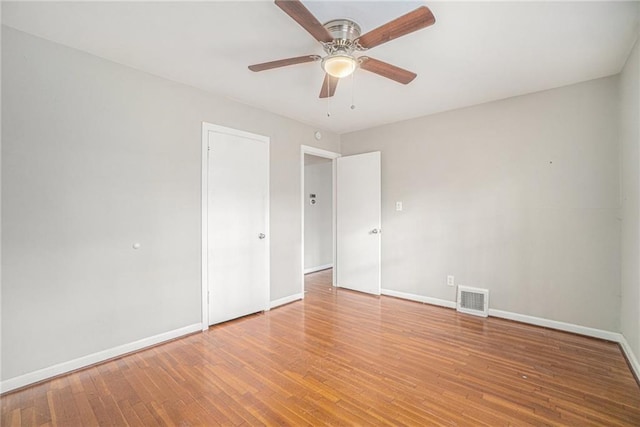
(339, 65)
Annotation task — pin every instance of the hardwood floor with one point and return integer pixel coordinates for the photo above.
(343, 358)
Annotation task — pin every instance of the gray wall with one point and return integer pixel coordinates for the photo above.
(318, 218)
(519, 196)
(97, 156)
(630, 141)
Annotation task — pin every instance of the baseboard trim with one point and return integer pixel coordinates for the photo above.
(554, 324)
(317, 268)
(92, 359)
(631, 357)
(418, 298)
(286, 300)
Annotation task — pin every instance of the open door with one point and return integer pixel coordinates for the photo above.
(358, 222)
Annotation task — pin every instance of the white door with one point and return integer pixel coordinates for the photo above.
(358, 222)
(237, 213)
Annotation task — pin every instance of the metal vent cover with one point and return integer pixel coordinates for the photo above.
(473, 301)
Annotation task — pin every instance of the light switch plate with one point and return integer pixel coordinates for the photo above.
(398, 206)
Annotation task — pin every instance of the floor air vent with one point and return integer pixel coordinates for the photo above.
(473, 301)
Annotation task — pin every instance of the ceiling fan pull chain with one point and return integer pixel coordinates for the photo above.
(353, 90)
(328, 99)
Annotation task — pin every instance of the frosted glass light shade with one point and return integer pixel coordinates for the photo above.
(339, 65)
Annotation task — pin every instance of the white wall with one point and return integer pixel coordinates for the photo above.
(629, 90)
(519, 196)
(318, 218)
(95, 157)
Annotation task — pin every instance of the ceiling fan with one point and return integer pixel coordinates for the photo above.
(340, 38)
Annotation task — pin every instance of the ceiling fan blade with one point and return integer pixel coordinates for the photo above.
(296, 10)
(329, 86)
(412, 21)
(283, 62)
(387, 70)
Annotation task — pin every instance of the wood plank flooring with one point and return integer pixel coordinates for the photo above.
(344, 358)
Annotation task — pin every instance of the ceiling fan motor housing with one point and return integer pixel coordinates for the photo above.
(344, 33)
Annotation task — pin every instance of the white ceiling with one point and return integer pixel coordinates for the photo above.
(476, 52)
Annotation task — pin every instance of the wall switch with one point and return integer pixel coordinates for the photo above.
(450, 281)
(398, 206)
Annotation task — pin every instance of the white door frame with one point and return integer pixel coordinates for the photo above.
(306, 149)
(206, 127)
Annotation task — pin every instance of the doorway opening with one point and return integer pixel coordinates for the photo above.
(318, 184)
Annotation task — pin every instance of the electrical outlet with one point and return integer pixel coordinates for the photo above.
(450, 281)
(398, 206)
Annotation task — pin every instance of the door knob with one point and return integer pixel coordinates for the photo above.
(261, 236)
(376, 231)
